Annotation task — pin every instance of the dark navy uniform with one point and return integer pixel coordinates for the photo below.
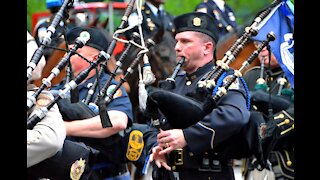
(152, 20)
(207, 152)
(225, 20)
(206, 155)
(203, 137)
(281, 153)
(110, 161)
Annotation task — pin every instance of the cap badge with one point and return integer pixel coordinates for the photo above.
(77, 169)
(196, 21)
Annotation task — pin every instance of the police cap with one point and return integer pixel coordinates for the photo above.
(197, 21)
(98, 38)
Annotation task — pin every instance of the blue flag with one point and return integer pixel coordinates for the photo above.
(281, 21)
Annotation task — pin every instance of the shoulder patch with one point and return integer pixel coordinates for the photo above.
(111, 89)
(135, 145)
(234, 85)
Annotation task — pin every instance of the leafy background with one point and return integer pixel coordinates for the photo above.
(245, 10)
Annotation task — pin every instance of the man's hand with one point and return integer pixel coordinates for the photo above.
(160, 159)
(170, 140)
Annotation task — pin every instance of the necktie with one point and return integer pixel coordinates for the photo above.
(161, 18)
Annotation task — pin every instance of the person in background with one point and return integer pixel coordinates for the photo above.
(46, 138)
(273, 96)
(223, 14)
(110, 160)
(154, 16)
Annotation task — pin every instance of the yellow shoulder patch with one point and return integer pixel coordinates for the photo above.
(135, 145)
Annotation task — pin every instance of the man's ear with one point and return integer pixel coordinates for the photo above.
(208, 47)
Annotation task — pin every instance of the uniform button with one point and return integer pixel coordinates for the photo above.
(190, 154)
(289, 163)
(188, 83)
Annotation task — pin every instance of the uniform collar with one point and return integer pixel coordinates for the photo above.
(153, 8)
(200, 72)
(220, 4)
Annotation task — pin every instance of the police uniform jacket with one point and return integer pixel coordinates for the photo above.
(203, 138)
(281, 156)
(224, 121)
(46, 138)
(151, 21)
(224, 20)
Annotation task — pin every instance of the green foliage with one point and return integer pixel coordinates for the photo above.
(177, 7)
(245, 10)
(34, 6)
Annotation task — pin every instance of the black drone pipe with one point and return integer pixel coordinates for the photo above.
(223, 65)
(41, 113)
(170, 83)
(47, 38)
(80, 42)
(183, 111)
(124, 54)
(238, 46)
(111, 48)
(109, 97)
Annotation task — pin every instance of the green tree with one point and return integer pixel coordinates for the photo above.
(245, 10)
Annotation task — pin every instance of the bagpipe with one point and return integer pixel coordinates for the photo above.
(80, 42)
(60, 15)
(102, 57)
(169, 83)
(80, 110)
(118, 148)
(182, 111)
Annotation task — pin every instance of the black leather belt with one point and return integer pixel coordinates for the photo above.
(181, 159)
(107, 170)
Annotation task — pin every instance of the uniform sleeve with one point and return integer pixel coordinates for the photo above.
(121, 102)
(226, 119)
(46, 138)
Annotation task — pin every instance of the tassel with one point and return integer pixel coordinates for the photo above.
(148, 76)
(143, 95)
